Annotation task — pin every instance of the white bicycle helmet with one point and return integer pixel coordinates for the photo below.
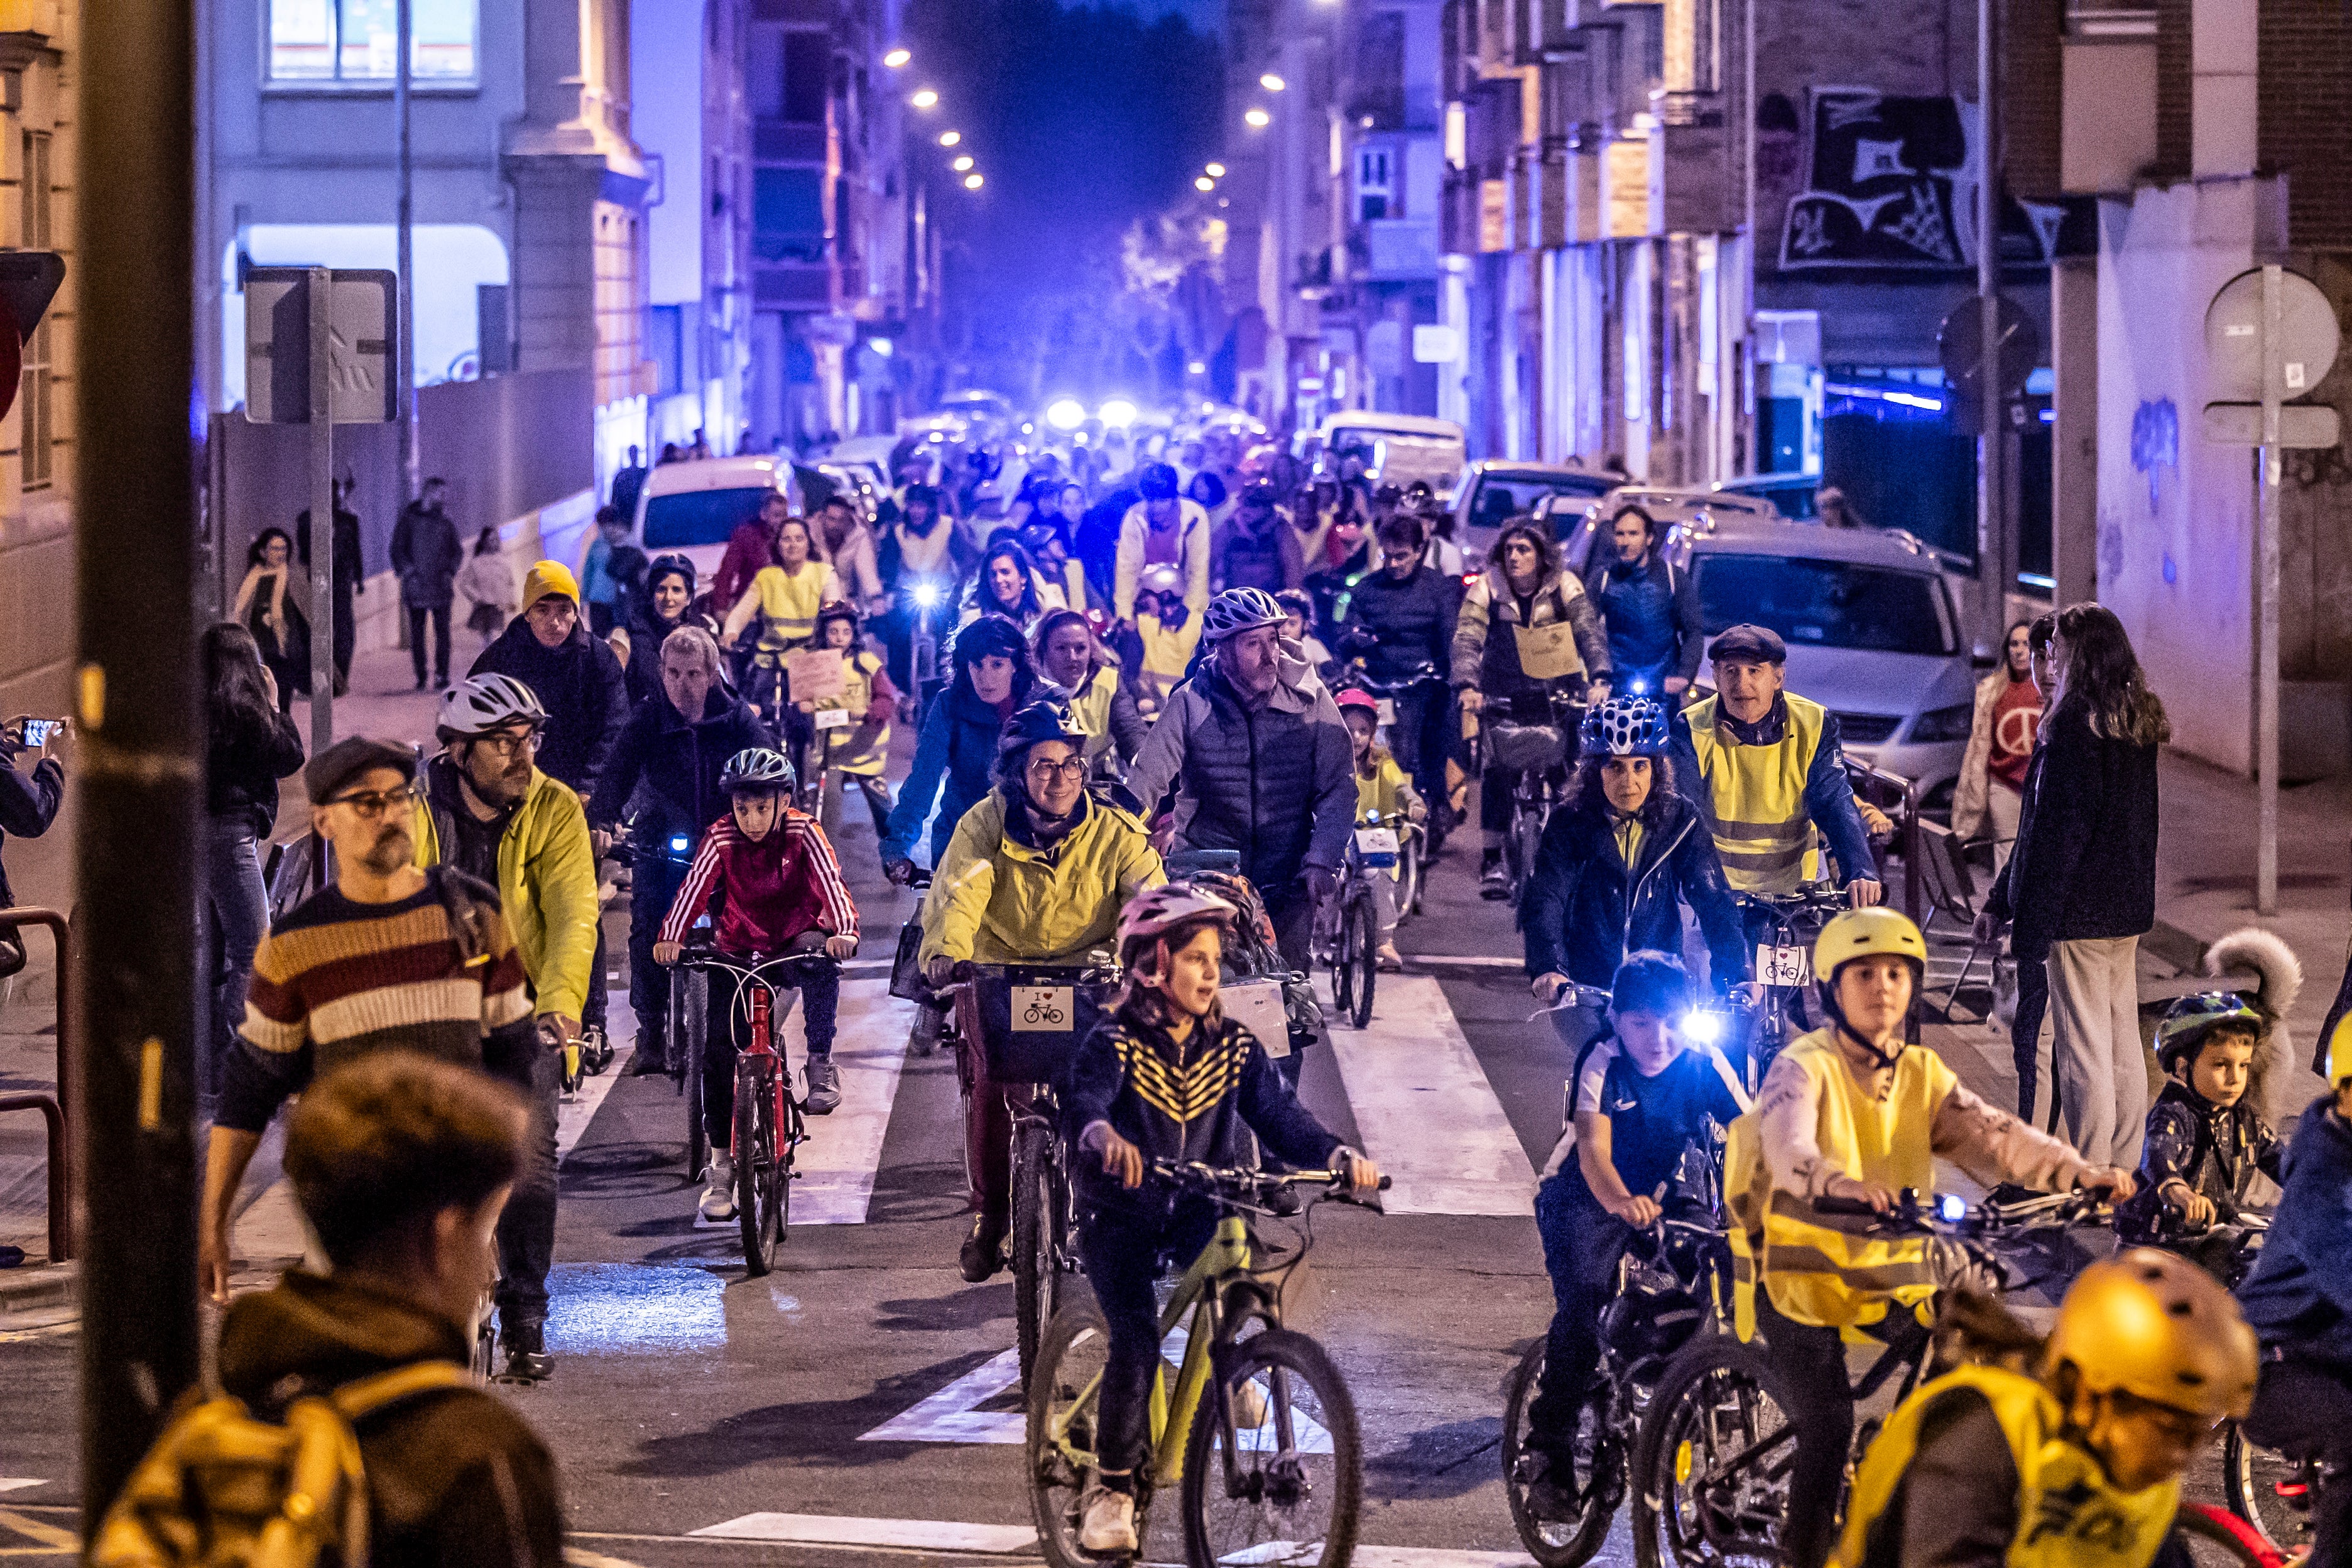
(1238, 610)
(482, 703)
(1170, 904)
(757, 768)
(1625, 727)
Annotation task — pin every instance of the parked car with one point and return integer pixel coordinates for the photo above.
(694, 508)
(1404, 446)
(1496, 491)
(870, 454)
(1791, 494)
(1577, 522)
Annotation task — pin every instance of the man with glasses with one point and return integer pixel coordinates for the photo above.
(1399, 621)
(490, 811)
(390, 957)
(1036, 873)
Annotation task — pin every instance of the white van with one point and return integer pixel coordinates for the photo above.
(692, 509)
(1404, 446)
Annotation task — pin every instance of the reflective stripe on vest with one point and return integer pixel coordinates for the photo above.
(2069, 1514)
(1827, 1269)
(1755, 798)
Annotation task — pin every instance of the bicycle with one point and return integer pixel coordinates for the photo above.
(1537, 751)
(1391, 695)
(1711, 1461)
(1351, 935)
(1788, 923)
(768, 1121)
(1248, 1486)
(1028, 1020)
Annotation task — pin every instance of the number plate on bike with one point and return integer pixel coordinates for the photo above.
(1257, 1006)
(1388, 710)
(1782, 965)
(1375, 845)
(1043, 1009)
(830, 719)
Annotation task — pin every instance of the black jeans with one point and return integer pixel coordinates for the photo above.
(416, 619)
(527, 1228)
(1581, 1243)
(654, 880)
(2025, 1037)
(1121, 1251)
(820, 988)
(2304, 1409)
(1811, 1363)
(1418, 737)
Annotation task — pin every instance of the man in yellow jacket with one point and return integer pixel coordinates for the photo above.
(488, 810)
(1036, 873)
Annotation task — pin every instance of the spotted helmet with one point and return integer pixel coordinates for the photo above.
(1624, 727)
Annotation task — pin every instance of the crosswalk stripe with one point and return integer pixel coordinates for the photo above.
(938, 1535)
(836, 1167)
(952, 1415)
(1429, 1118)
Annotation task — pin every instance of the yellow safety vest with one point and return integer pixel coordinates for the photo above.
(1826, 1268)
(790, 602)
(2069, 1514)
(863, 746)
(1755, 798)
(1092, 707)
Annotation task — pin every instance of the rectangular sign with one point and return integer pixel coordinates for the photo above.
(815, 674)
(278, 345)
(1043, 1009)
(1256, 1006)
(2301, 425)
(829, 719)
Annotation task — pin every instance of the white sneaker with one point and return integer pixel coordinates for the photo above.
(1106, 1521)
(718, 1204)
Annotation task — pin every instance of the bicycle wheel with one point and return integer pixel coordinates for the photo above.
(689, 1023)
(1287, 1492)
(758, 1162)
(1343, 973)
(2215, 1538)
(2268, 1490)
(1062, 1393)
(1710, 1468)
(1598, 1483)
(1526, 837)
(1359, 939)
(1037, 1272)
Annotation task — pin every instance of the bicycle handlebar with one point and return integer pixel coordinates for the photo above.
(967, 970)
(747, 966)
(1239, 1182)
(1950, 1215)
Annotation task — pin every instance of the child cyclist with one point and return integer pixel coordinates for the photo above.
(783, 894)
(2206, 1141)
(1166, 1076)
(858, 750)
(1640, 1095)
(1381, 786)
(2079, 1466)
(1853, 1112)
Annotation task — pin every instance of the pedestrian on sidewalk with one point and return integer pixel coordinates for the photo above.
(2002, 733)
(273, 602)
(249, 745)
(350, 572)
(427, 553)
(28, 806)
(612, 570)
(488, 585)
(628, 484)
(2079, 890)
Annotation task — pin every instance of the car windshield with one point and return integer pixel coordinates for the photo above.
(699, 516)
(1502, 497)
(1824, 603)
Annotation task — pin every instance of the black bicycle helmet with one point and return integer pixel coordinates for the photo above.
(667, 566)
(1047, 718)
(757, 770)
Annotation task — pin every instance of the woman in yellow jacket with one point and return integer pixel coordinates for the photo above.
(1036, 873)
(1849, 1111)
(787, 594)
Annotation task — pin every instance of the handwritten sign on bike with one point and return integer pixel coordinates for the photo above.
(1043, 1009)
(1548, 652)
(816, 674)
(1778, 966)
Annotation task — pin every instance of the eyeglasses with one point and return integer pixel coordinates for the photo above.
(368, 807)
(1045, 770)
(506, 745)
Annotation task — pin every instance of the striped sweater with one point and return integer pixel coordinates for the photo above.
(337, 980)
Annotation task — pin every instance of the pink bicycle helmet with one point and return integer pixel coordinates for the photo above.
(1163, 907)
(1357, 696)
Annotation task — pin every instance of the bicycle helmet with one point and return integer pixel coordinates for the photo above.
(757, 770)
(481, 703)
(2154, 1325)
(670, 565)
(2339, 1051)
(1156, 482)
(1047, 718)
(1357, 696)
(1238, 610)
(1159, 910)
(1161, 579)
(1038, 538)
(2187, 1021)
(1624, 727)
(837, 610)
(1866, 933)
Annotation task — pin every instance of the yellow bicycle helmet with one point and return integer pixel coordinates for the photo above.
(2155, 1325)
(1865, 933)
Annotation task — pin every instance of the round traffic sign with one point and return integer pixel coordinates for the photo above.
(2308, 338)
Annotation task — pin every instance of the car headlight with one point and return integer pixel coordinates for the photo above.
(1944, 723)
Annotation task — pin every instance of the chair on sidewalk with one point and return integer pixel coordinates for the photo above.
(1952, 893)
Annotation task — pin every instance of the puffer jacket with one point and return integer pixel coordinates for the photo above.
(1413, 621)
(1651, 614)
(998, 896)
(547, 887)
(678, 764)
(955, 759)
(1486, 646)
(1585, 909)
(1277, 782)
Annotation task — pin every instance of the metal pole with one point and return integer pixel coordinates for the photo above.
(323, 509)
(2266, 623)
(137, 1011)
(1994, 579)
(404, 337)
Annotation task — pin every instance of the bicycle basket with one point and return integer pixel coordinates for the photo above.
(1517, 747)
(1032, 1017)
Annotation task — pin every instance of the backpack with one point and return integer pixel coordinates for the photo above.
(222, 1486)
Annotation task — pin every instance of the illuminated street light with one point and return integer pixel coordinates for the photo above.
(897, 58)
(971, 182)
(1271, 83)
(926, 99)
(950, 138)
(1204, 183)
(1065, 414)
(963, 163)
(1216, 171)
(1118, 414)
(1259, 119)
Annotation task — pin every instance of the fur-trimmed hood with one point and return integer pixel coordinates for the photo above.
(2278, 981)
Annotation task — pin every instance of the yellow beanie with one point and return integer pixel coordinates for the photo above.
(550, 577)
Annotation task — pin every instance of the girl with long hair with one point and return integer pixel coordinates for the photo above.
(273, 604)
(1008, 583)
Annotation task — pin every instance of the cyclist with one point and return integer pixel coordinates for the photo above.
(860, 750)
(1162, 529)
(1067, 654)
(1765, 767)
(1035, 874)
(2079, 1465)
(1381, 786)
(1156, 650)
(2299, 1299)
(784, 596)
(1399, 619)
(783, 894)
(1523, 589)
(1651, 609)
(1640, 1095)
(1167, 1076)
(1851, 1111)
(1617, 860)
(956, 748)
(2206, 1140)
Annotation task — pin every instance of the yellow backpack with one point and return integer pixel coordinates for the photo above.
(222, 1489)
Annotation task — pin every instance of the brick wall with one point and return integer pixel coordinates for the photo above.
(2303, 126)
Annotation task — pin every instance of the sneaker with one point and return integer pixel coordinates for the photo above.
(824, 1086)
(982, 1252)
(1105, 1522)
(718, 1204)
(929, 1022)
(1388, 956)
(1494, 881)
(526, 1348)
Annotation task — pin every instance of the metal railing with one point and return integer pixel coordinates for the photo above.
(54, 1108)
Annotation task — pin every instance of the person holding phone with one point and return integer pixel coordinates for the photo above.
(28, 804)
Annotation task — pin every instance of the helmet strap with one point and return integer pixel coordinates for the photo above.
(1879, 1060)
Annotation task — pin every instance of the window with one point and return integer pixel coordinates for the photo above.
(330, 41)
(35, 192)
(37, 420)
(1374, 189)
(788, 215)
(1825, 604)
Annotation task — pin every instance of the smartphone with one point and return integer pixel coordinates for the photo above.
(38, 730)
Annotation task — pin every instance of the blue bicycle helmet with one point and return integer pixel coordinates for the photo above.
(1625, 727)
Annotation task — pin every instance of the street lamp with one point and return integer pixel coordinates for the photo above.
(950, 138)
(1216, 171)
(963, 164)
(1271, 83)
(971, 182)
(1204, 183)
(897, 58)
(1259, 119)
(926, 99)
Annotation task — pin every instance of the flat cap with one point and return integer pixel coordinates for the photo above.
(350, 757)
(1753, 645)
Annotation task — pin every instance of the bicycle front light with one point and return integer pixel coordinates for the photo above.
(927, 596)
(1951, 1208)
(680, 845)
(1703, 1029)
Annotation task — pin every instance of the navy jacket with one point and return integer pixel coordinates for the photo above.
(580, 684)
(678, 764)
(1651, 614)
(28, 806)
(2084, 864)
(2300, 1293)
(1585, 909)
(1413, 621)
(954, 765)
